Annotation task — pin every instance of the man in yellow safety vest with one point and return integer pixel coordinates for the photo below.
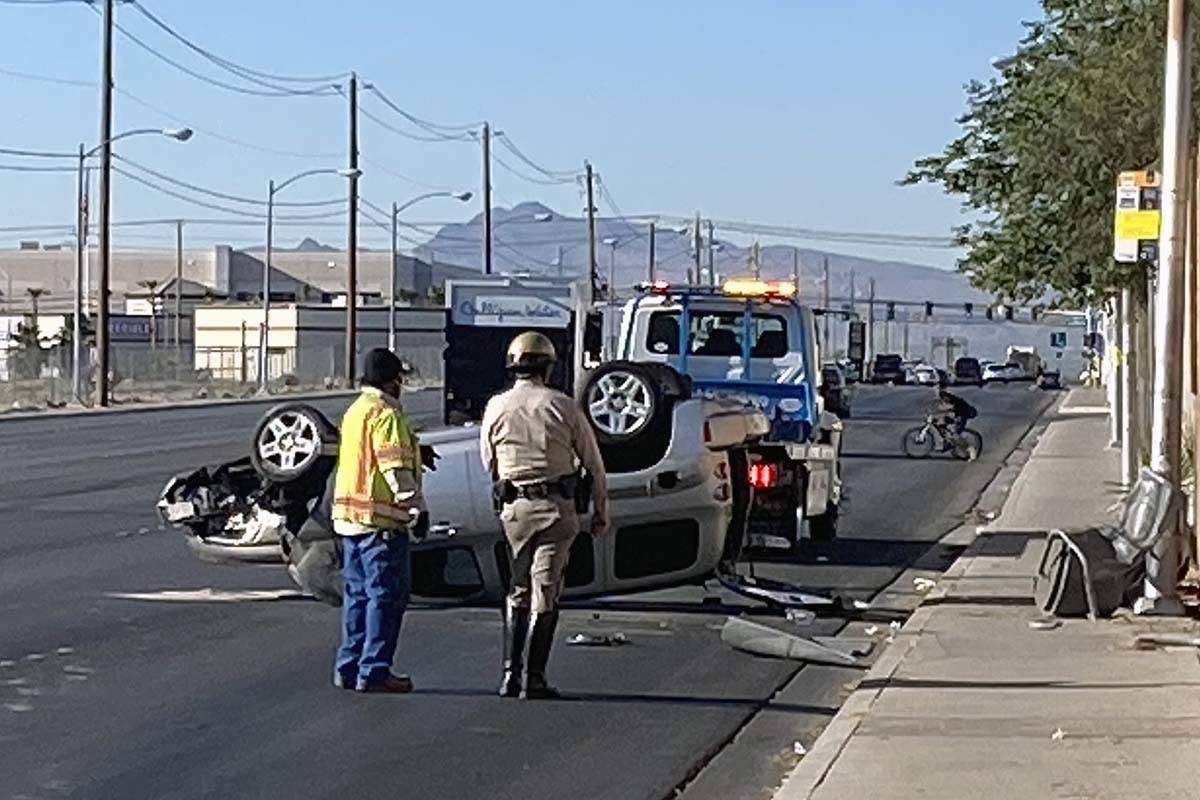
(377, 505)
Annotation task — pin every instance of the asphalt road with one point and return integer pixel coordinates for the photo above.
(113, 687)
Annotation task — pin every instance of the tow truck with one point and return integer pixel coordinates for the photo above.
(750, 341)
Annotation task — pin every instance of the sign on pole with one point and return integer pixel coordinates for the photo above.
(1138, 218)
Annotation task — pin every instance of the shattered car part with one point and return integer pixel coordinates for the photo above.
(759, 639)
(597, 640)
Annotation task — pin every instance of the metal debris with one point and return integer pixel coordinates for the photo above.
(763, 640)
(801, 616)
(597, 640)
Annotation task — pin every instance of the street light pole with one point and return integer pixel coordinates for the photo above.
(106, 103)
(263, 364)
(77, 307)
(1159, 591)
(392, 284)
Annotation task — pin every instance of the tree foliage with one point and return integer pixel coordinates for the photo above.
(1041, 145)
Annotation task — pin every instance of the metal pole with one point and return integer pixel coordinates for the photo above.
(871, 323)
(825, 280)
(1129, 428)
(698, 243)
(853, 307)
(712, 270)
(106, 102)
(263, 364)
(178, 295)
(352, 242)
(487, 199)
(650, 263)
(1159, 595)
(591, 218)
(392, 286)
(906, 341)
(77, 323)
(1116, 359)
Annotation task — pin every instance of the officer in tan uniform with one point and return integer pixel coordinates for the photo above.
(534, 440)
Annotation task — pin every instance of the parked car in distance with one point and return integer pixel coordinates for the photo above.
(924, 375)
(888, 368)
(1002, 373)
(1050, 380)
(968, 371)
(835, 390)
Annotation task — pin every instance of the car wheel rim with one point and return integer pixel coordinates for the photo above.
(620, 403)
(289, 442)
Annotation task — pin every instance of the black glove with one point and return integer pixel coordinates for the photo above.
(420, 528)
(429, 458)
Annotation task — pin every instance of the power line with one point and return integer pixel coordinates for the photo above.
(432, 127)
(39, 2)
(563, 176)
(208, 79)
(219, 136)
(396, 174)
(232, 66)
(523, 176)
(33, 76)
(223, 196)
(416, 137)
(32, 168)
(8, 151)
(215, 206)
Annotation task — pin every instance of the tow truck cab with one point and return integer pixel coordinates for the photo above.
(752, 341)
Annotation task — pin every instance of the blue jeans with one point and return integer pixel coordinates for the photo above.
(377, 571)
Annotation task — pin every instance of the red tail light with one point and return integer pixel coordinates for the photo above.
(764, 476)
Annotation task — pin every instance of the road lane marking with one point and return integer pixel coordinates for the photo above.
(209, 595)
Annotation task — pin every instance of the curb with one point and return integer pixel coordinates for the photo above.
(60, 413)
(812, 770)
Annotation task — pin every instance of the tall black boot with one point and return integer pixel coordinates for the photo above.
(516, 631)
(541, 639)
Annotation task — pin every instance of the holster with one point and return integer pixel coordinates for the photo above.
(583, 491)
(503, 493)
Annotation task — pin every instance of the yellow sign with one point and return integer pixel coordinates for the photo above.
(1138, 225)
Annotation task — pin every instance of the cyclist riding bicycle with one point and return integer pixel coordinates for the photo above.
(950, 408)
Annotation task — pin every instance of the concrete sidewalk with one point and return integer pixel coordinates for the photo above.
(970, 701)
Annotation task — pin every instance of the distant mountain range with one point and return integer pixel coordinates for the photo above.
(533, 238)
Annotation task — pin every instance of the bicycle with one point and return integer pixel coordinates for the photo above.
(935, 436)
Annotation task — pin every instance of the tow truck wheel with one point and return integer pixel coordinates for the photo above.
(824, 528)
(289, 440)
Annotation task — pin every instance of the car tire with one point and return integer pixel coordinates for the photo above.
(824, 528)
(629, 406)
(290, 440)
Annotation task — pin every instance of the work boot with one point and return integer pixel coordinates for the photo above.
(391, 684)
(516, 631)
(541, 639)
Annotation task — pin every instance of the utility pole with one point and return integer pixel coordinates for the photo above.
(263, 358)
(825, 279)
(650, 264)
(853, 305)
(756, 261)
(1116, 389)
(712, 247)
(906, 340)
(77, 324)
(871, 322)
(591, 220)
(178, 293)
(106, 102)
(1159, 595)
(486, 137)
(1130, 445)
(352, 243)
(392, 284)
(697, 245)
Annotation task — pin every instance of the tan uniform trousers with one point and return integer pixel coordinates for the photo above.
(539, 533)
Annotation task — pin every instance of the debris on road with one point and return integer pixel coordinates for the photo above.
(798, 748)
(597, 640)
(801, 616)
(1058, 735)
(871, 630)
(923, 584)
(763, 640)
(1153, 641)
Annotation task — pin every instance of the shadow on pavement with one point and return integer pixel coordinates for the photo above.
(649, 699)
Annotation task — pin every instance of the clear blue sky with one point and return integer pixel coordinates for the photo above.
(789, 112)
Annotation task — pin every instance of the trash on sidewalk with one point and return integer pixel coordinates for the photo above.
(798, 748)
(597, 640)
(763, 640)
(1153, 641)
(1058, 735)
(871, 630)
(923, 584)
(1046, 622)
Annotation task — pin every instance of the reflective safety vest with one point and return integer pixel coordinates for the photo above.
(375, 438)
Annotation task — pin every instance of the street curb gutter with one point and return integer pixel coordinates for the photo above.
(24, 416)
(812, 770)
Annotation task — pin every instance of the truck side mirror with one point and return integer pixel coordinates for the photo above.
(593, 335)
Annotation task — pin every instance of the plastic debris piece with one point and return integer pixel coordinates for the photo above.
(65, 651)
(1058, 735)
(822, 559)
(18, 707)
(871, 630)
(894, 625)
(7, 663)
(75, 669)
(890, 639)
(923, 584)
(597, 640)
(36, 657)
(801, 616)
(1047, 623)
(798, 748)
(860, 605)
(763, 640)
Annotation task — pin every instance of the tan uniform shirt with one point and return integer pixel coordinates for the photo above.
(532, 433)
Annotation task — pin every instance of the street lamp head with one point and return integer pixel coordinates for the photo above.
(545, 216)
(610, 241)
(464, 197)
(350, 173)
(179, 134)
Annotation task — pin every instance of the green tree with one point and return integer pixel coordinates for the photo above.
(29, 357)
(1042, 143)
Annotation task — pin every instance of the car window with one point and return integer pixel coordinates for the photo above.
(718, 334)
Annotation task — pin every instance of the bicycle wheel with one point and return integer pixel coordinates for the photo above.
(917, 442)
